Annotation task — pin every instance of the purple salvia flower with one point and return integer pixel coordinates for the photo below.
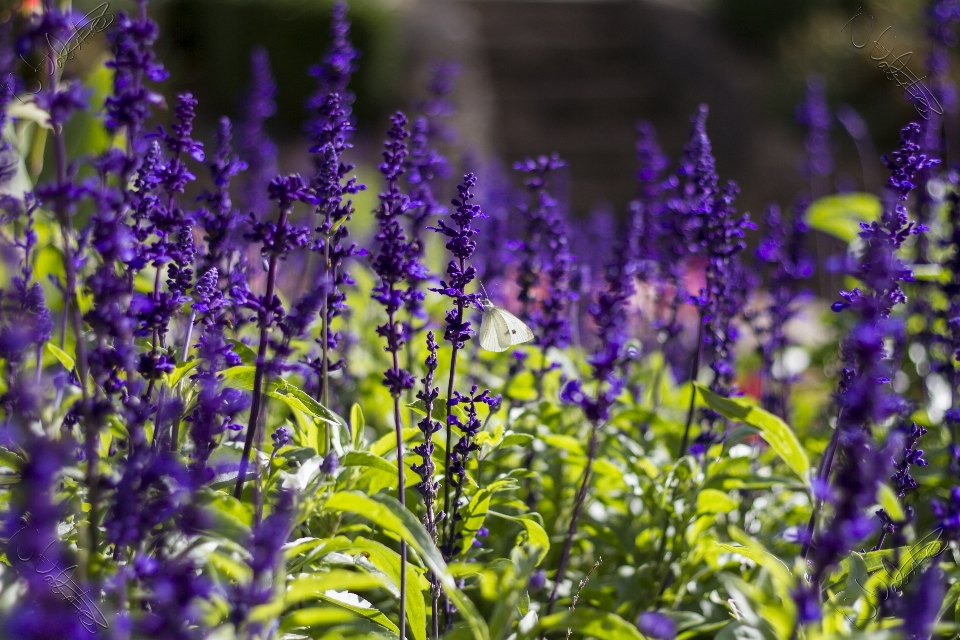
(218, 218)
(457, 472)
(864, 397)
(394, 261)
(426, 469)
(609, 314)
(30, 527)
(814, 114)
(153, 489)
(657, 625)
(424, 166)
(333, 74)
(438, 106)
(277, 241)
(545, 252)
(257, 151)
(460, 273)
(134, 63)
(266, 562)
(920, 608)
(647, 208)
(25, 321)
(330, 187)
(911, 455)
(782, 250)
(172, 586)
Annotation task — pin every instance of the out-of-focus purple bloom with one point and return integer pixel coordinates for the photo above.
(538, 580)
(648, 207)
(266, 562)
(815, 115)
(33, 547)
(257, 151)
(134, 62)
(172, 588)
(609, 315)
(922, 605)
(218, 218)
(783, 251)
(334, 72)
(656, 625)
(152, 490)
(546, 256)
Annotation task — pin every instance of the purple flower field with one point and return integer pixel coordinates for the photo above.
(237, 403)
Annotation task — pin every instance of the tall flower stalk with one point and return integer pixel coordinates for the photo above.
(428, 487)
(395, 263)
(460, 273)
(864, 397)
(278, 241)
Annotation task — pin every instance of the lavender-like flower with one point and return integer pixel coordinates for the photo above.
(333, 73)
(541, 217)
(552, 319)
(218, 218)
(902, 480)
(266, 562)
(395, 263)
(428, 487)
(134, 62)
(782, 250)
(457, 472)
(170, 608)
(815, 115)
(277, 241)
(330, 186)
(865, 398)
(256, 150)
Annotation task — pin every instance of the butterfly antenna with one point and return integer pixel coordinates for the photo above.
(482, 289)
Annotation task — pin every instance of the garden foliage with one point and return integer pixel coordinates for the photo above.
(238, 404)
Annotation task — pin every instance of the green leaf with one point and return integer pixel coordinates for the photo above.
(714, 501)
(247, 355)
(840, 215)
(61, 355)
(389, 514)
(240, 377)
(180, 370)
(774, 430)
(244, 377)
(388, 442)
(367, 459)
(590, 622)
(297, 399)
(536, 535)
(388, 561)
(888, 500)
(357, 424)
(311, 585)
(473, 517)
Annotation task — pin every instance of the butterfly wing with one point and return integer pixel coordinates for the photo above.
(489, 331)
(516, 331)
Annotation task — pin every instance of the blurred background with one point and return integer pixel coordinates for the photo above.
(572, 77)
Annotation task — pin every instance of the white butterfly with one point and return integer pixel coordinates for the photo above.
(500, 329)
